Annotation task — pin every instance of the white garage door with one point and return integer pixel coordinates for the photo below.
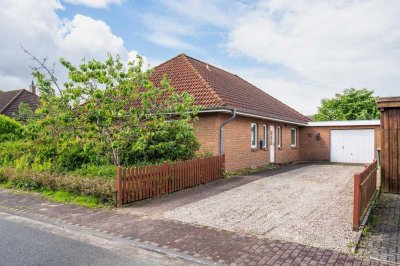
(352, 146)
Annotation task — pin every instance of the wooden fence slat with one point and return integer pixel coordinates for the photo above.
(139, 183)
(129, 184)
(365, 186)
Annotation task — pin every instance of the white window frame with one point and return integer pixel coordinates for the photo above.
(265, 133)
(295, 137)
(279, 137)
(253, 137)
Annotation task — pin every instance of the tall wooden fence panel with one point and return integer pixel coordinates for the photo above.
(365, 186)
(139, 183)
(390, 143)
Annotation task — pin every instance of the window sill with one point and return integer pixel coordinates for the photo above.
(254, 149)
(279, 148)
(293, 147)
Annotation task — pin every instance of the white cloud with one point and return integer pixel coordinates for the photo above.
(331, 45)
(85, 36)
(218, 13)
(36, 26)
(94, 3)
(167, 32)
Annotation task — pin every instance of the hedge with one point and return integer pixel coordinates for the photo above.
(100, 188)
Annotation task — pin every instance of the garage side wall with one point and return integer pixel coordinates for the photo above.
(319, 150)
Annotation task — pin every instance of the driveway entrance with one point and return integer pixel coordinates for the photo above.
(310, 205)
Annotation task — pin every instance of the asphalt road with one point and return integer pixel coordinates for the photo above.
(25, 245)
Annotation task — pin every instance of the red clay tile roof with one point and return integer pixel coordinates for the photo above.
(213, 88)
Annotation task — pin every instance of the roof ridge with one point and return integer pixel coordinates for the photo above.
(201, 78)
(12, 100)
(169, 60)
(274, 98)
(247, 83)
(210, 65)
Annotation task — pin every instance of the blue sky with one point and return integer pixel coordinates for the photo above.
(297, 51)
(130, 20)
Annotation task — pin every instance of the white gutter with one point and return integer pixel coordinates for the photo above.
(252, 115)
(344, 123)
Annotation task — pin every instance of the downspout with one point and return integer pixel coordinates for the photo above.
(221, 131)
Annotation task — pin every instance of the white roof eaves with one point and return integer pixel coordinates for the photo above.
(344, 123)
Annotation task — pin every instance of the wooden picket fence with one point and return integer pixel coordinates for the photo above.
(365, 186)
(139, 183)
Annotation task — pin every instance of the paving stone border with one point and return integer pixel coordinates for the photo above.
(220, 246)
(382, 241)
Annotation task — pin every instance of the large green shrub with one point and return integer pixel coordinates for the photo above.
(10, 129)
(11, 151)
(123, 113)
(168, 140)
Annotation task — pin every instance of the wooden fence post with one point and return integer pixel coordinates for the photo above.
(165, 175)
(356, 208)
(119, 187)
(223, 165)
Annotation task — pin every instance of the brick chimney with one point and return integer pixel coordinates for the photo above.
(32, 88)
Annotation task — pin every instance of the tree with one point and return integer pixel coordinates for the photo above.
(352, 104)
(25, 113)
(117, 107)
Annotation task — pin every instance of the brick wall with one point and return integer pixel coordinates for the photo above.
(314, 150)
(26, 97)
(237, 138)
(207, 132)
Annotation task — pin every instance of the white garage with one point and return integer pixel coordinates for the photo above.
(352, 145)
(352, 141)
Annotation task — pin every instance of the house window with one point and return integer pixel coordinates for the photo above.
(265, 139)
(279, 137)
(253, 135)
(293, 137)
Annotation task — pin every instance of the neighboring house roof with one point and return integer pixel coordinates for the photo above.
(214, 88)
(10, 101)
(345, 123)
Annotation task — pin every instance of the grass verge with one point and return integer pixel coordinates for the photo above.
(60, 196)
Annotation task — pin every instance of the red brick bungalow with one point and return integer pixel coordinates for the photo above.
(252, 128)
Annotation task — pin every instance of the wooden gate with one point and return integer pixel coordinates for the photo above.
(390, 143)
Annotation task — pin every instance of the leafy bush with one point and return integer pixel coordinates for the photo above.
(10, 151)
(105, 171)
(10, 129)
(168, 140)
(72, 157)
(102, 189)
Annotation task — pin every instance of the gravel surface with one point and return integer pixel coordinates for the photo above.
(311, 205)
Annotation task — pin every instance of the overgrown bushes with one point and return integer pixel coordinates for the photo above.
(106, 114)
(102, 189)
(10, 129)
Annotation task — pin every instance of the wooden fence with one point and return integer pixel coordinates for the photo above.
(365, 186)
(139, 183)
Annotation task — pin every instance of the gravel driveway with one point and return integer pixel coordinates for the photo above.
(311, 205)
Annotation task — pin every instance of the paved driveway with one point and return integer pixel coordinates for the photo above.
(311, 205)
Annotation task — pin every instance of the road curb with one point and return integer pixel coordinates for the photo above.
(104, 235)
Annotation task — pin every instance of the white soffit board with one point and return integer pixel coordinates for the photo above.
(344, 123)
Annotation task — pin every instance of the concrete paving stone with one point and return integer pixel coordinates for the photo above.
(207, 243)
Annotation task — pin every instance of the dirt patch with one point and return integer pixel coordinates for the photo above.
(311, 205)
